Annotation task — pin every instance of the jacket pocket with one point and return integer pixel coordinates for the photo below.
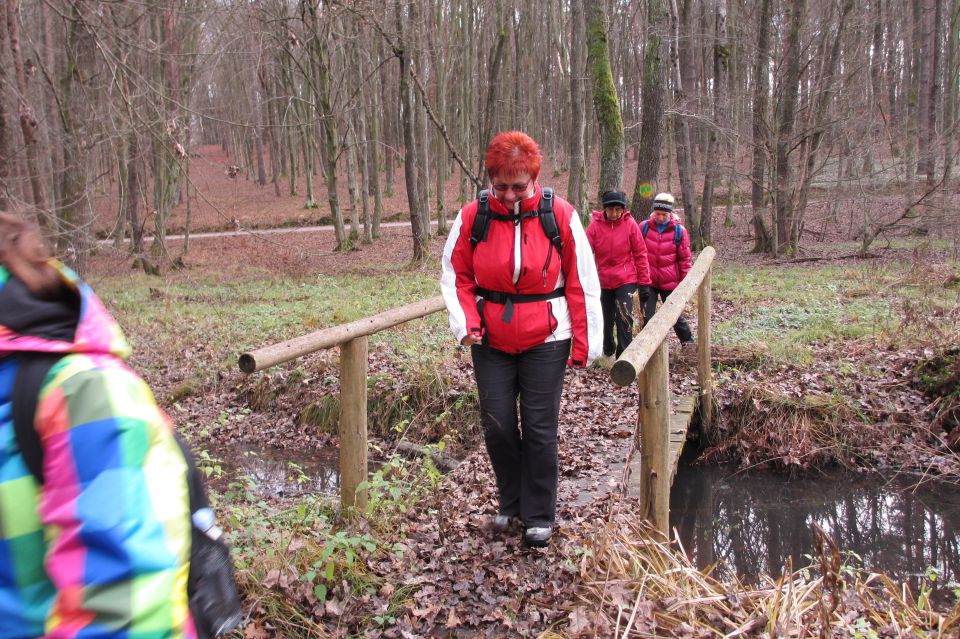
(552, 321)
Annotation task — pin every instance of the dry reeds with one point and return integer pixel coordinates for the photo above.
(634, 584)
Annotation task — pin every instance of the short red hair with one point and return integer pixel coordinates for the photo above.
(512, 153)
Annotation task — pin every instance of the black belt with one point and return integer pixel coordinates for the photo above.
(509, 299)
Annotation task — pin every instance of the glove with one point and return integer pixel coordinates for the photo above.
(576, 363)
(644, 292)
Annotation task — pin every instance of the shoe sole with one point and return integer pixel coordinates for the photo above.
(536, 543)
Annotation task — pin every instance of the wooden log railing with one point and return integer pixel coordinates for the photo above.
(646, 357)
(352, 340)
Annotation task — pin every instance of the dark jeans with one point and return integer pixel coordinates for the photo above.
(524, 458)
(617, 305)
(681, 328)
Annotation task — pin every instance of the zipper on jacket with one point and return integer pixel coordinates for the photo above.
(546, 265)
(517, 243)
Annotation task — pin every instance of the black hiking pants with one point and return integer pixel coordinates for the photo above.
(524, 455)
(681, 328)
(617, 306)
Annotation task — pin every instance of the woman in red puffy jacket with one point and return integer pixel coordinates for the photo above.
(621, 256)
(527, 308)
(668, 253)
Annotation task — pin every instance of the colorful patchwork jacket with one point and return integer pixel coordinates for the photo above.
(102, 548)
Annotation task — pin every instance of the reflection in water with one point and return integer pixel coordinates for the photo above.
(753, 521)
(283, 473)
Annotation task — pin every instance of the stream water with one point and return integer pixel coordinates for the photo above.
(752, 522)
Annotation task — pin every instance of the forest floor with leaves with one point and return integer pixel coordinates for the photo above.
(864, 374)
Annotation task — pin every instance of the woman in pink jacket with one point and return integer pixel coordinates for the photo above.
(621, 257)
(668, 252)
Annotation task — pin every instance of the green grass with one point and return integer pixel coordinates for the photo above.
(884, 243)
(792, 310)
(221, 319)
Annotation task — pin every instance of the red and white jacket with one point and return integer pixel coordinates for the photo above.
(669, 263)
(518, 258)
(620, 251)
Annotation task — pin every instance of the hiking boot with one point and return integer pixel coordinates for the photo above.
(503, 523)
(538, 537)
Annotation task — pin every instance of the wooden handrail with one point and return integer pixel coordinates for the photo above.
(646, 357)
(352, 340)
(646, 343)
(328, 337)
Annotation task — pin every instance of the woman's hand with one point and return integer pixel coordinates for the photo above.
(470, 339)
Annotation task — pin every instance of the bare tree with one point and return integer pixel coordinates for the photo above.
(763, 241)
(577, 181)
(654, 89)
(25, 111)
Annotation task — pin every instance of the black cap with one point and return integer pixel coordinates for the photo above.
(614, 198)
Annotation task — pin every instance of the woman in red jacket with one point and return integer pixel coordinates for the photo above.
(621, 256)
(668, 253)
(527, 306)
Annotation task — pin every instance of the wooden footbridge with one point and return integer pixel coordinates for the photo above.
(660, 437)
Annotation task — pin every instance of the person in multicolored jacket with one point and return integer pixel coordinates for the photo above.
(526, 312)
(621, 256)
(101, 547)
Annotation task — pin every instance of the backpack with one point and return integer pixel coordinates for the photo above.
(677, 231)
(211, 586)
(548, 220)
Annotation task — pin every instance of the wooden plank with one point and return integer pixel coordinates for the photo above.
(680, 420)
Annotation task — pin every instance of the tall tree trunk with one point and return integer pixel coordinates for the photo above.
(320, 76)
(51, 44)
(133, 196)
(876, 71)
(492, 85)
(27, 117)
(351, 143)
(76, 108)
(577, 180)
(606, 103)
(786, 117)
(711, 156)
(912, 131)
(652, 123)
(5, 143)
(933, 99)
(681, 132)
(421, 129)
(409, 117)
(761, 91)
(376, 161)
(256, 112)
(950, 101)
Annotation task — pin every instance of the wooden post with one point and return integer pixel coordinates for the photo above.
(655, 440)
(704, 373)
(353, 422)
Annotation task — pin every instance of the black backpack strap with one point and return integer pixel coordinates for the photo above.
(677, 233)
(644, 228)
(481, 223)
(195, 485)
(31, 373)
(548, 220)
